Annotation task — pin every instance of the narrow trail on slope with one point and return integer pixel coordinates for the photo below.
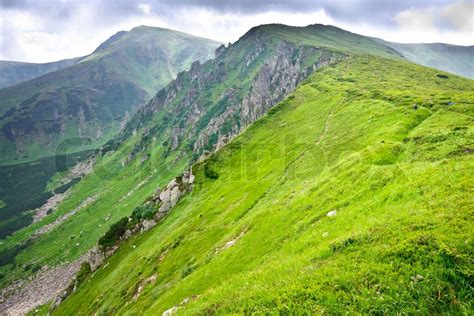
(326, 127)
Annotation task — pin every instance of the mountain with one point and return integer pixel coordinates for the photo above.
(13, 72)
(333, 74)
(65, 114)
(82, 106)
(451, 58)
(350, 196)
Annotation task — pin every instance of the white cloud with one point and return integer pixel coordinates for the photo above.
(460, 14)
(145, 8)
(452, 23)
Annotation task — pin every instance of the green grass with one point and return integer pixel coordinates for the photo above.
(349, 139)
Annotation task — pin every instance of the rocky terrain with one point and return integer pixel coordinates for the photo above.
(23, 296)
(268, 72)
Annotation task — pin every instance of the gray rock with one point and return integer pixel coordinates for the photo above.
(172, 184)
(128, 234)
(148, 224)
(157, 193)
(165, 196)
(96, 258)
(175, 194)
(191, 179)
(165, 207)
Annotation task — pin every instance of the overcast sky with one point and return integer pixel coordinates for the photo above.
(48, 30)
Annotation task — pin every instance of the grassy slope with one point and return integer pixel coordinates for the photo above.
(349, 140)
(111, 182)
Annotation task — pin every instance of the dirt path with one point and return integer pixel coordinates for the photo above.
(326, 127)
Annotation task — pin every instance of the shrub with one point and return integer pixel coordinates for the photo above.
(115, 232)
(144, 211)
(210, 172)
(84, 271)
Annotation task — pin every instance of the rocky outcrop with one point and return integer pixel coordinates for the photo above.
(170, 195)
(219, 50)
(280, 75)
(164, 199)
(205, 107)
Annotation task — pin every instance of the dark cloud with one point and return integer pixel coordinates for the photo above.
(73, 20)
(374, 11)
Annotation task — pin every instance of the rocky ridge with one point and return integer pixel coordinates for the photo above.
(208, 105)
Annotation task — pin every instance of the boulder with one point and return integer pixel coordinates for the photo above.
(158, 216)
(148, 224)
(175, 194)
(165, 207)
(157, 193)
(165, 196)
(96, 257)
(172, 184)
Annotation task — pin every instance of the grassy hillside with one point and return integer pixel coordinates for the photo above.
(12, 72)
(383, 146)
(191, 103)
(450, 58)
(192, 115)
(87, 103)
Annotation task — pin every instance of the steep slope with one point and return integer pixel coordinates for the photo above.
(82, 106)
(13, 72)
(450, 58)
(351, 196)
(197, 112)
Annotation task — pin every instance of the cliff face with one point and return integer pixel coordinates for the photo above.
(211, 103)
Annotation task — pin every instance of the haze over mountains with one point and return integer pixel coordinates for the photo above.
(12, 72)
(451, 58)
(269, 167)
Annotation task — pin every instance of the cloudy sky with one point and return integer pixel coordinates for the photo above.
(48, 30)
